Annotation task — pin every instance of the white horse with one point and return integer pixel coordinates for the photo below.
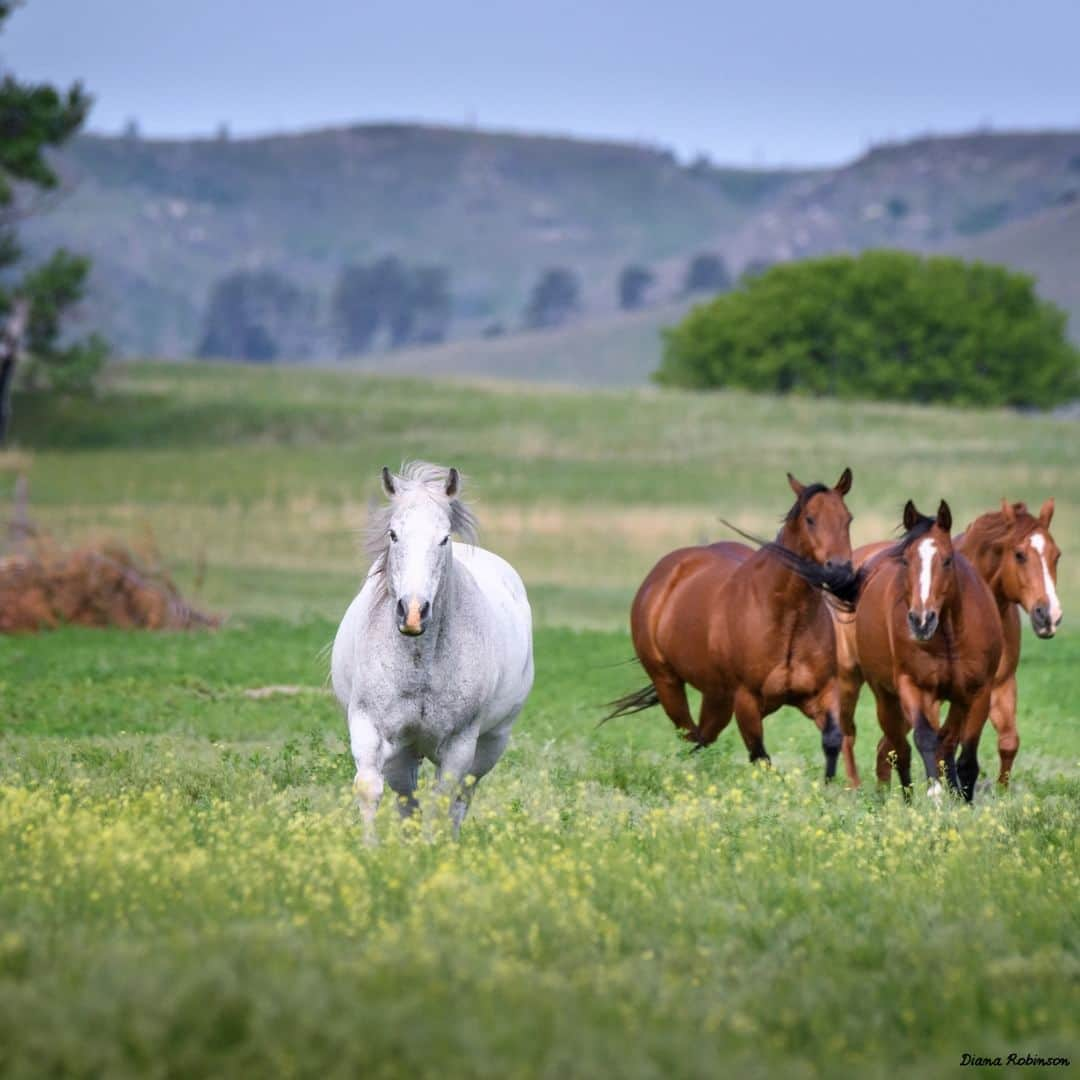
(433, 658)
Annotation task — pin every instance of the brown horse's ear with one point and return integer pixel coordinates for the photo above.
(843, 485)
(944, 516)
(453, 483)
(1046, 514)
(911, 516)
(795, 485)
(388, 483)
(1008, 512)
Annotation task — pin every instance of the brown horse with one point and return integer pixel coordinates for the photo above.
(926, 631)
(749, 628)
(1014, 553)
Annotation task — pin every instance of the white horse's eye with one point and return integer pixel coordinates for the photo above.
(445, 540)
(393, 536)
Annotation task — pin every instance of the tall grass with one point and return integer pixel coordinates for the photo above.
(267, 475)
(183, 889)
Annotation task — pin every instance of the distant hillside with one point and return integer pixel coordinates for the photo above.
(611, 350)
(1046, 245)
(928, 194)
(164, 219)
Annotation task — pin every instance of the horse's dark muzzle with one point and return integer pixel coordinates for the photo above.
(1042, 622)
(923, 625)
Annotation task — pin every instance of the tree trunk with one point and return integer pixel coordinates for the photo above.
(11, 337)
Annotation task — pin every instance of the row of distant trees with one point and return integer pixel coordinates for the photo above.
(261, 315)
(705, 272)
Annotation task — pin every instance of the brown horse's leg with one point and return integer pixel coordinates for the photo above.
(1003, 717)
(850, 683)
(847, 751)
(748, 717)
(894, 728)
(883, 760)
(969, 723)
(715, 715)
(921, 713)
(825, 718)
(671, 691)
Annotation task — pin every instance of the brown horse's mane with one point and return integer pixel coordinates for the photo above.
(993, 527)
(842, 588)
(805, 496)
(917, 531)
(895, 552)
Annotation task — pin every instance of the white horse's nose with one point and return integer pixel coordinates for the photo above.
(413, 615)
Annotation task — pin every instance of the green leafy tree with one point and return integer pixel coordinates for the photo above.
(34, 117)
(431, 304)
(884, 324)
(412, 305)
(392, 284)
(354, 310)
(634, 282)
(257, 315)
(555, 298)
(706, 272)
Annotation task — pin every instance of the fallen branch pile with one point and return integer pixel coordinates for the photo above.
(43, 585)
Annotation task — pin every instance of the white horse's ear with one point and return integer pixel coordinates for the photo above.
(453, 483)
(388, 483)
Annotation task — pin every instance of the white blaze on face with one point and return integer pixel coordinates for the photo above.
(416, 557)
(927, 551)
(1038, 542)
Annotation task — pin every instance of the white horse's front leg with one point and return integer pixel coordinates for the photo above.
(368, 751)
(455, 766)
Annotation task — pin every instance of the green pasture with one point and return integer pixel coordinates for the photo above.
(183, 890)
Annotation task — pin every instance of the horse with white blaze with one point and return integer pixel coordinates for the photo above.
(433, 658)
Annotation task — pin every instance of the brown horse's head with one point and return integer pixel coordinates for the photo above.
(926, 552)
(1028, 571)
(814, 542)
(818, 526)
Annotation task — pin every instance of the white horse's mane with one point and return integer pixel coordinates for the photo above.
(431, 480)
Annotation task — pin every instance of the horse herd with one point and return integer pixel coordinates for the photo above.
(433, 658)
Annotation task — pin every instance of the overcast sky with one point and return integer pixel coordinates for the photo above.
(755, 82)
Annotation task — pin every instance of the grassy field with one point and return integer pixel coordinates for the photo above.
(182, 886)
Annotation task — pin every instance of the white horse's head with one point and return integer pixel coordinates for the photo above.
(410, 538)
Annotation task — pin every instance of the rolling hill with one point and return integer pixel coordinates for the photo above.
(1046, 245)
(164, 220)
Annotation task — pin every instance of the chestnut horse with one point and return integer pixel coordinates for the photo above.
(1015, 554)
(749, 628)
(926, 631)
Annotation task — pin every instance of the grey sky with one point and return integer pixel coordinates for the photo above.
(760, 81)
